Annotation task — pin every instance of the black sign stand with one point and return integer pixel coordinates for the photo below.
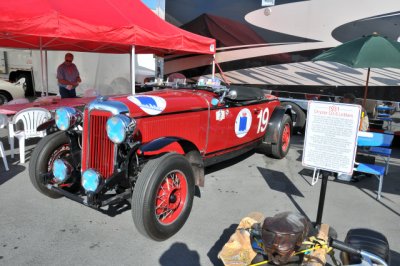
(322, 194)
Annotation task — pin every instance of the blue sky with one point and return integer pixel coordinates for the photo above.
(150, 3)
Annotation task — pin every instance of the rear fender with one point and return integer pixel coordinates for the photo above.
(274, 124)
(190, 151)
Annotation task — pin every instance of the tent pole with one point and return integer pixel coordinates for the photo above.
(213, 67)
(366, 88)
(47, 73)
(41, 66)
(133, 70)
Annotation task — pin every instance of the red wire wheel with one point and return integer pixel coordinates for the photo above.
(171, 197)
(286, 137)
(280, 149)
(163, 195)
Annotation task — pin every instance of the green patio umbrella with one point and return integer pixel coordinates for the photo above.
(371, 51)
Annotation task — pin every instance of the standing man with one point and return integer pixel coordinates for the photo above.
(68, 77)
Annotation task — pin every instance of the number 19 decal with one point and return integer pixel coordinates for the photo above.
(263, 120)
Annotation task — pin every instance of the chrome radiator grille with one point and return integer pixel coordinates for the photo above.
(98, 148)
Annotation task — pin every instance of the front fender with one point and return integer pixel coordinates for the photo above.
(191, 153)
(46, 125)
(274, 124)
(157, 144)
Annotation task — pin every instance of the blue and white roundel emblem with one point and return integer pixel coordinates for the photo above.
(243, 123)
(152, 105)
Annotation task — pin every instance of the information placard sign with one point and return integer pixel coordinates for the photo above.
(331, 136)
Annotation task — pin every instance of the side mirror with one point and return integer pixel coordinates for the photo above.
(232, 95)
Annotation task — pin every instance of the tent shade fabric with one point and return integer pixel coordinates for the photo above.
(103, 26)
(227, 32)
(371, 51)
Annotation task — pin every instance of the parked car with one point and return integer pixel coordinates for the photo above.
(10, 91)
(151, 148)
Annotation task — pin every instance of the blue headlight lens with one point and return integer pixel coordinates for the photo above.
(62, 118)
(90, 180)
(61, 171)
(117, 128)
(66, 117)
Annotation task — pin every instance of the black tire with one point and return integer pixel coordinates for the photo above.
(367, 240)
(281, 148)
(45, 152)
(5, 97)
(150, 184)
(265, 148)
(300, 117)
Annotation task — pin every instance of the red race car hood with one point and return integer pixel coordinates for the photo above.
(164, 101)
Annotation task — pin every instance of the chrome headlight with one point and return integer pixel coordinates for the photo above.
(61, 170)
(67, 117)
(90, 180)
(118, 127)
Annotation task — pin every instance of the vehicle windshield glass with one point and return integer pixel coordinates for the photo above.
(214, 84)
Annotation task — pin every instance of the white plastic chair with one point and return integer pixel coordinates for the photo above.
(3, 124)
(3, 121)
(17, 101)
(31, 118)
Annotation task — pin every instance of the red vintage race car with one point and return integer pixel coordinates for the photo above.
(151, 148)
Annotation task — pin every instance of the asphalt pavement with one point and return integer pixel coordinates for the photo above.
(36, 230)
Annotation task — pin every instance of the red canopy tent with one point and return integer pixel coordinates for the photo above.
(102, 26)
(94, 26)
